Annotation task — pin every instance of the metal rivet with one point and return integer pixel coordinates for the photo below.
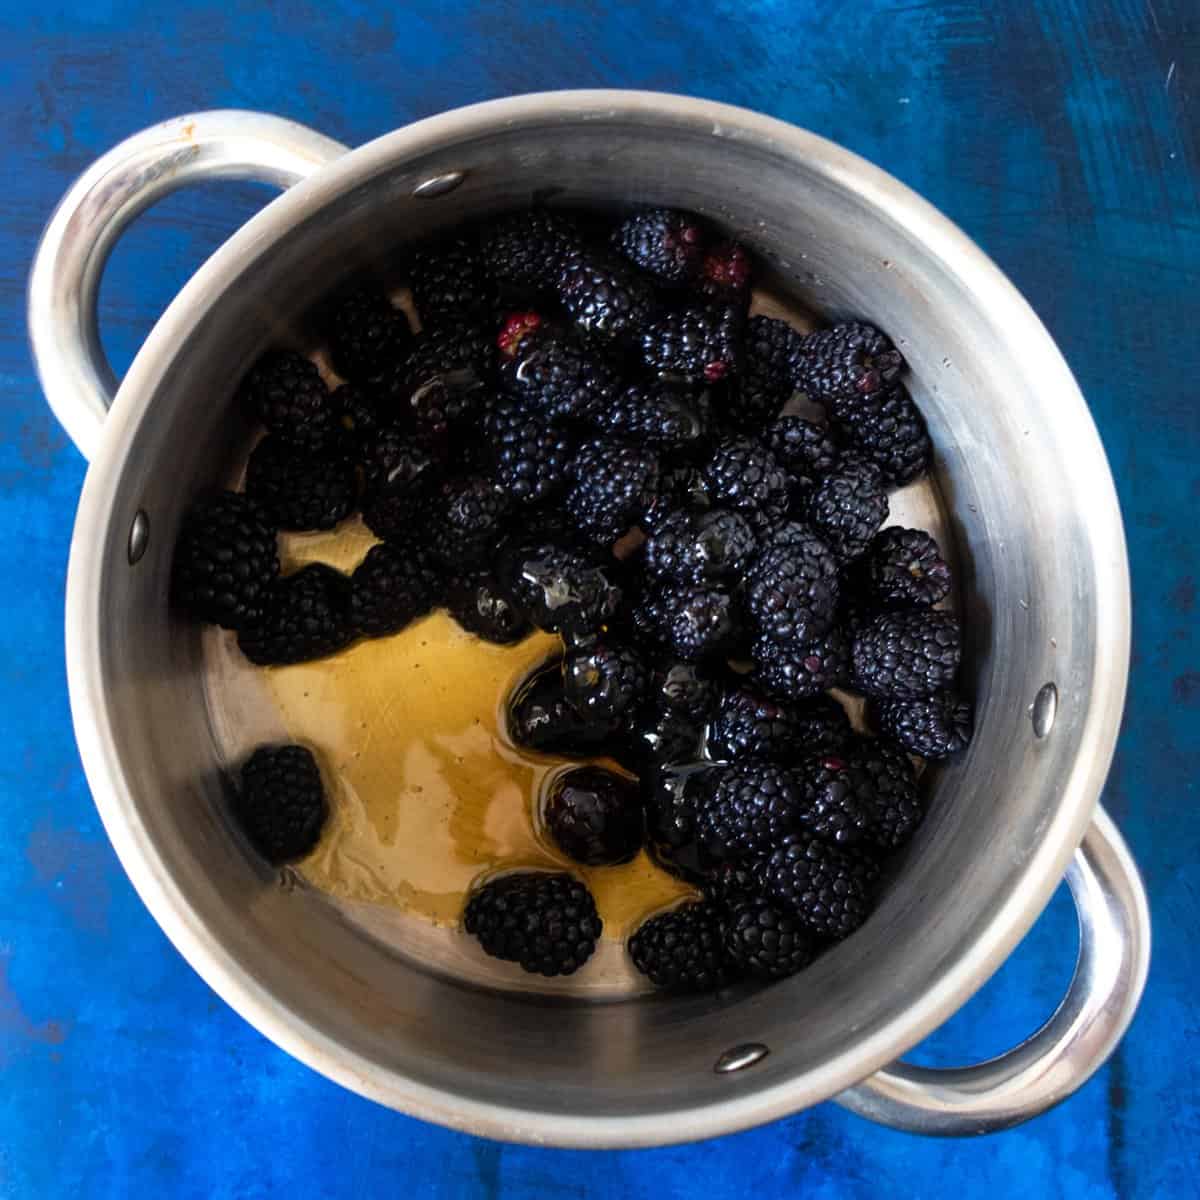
(738, 1058)
(1044, 710)
(139, 536)
(438, 185)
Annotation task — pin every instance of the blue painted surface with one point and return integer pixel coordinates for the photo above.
(1062, 135)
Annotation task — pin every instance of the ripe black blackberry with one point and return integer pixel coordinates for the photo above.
(667, 243)
(300, 489)
(753, 807)
(673, 795)
(821, 724)
(768, 941)
(226, 561)
(750, 401)
(700, 547)
(286, 393)
(693, 623)
(658, 736)
(698, 344)
(553, 372)
(364, 413)
(482, 607)
(842, 365)
(791, 591)
(903, 568)
(846, 508)
(527, 249)
(651, 415)
(605, 295)
(743, 475)
(545, 922)
(611, 485)
(467, 520)
(605, 681)
(447, 281)
(393, 512)
(774, 351)
(888, 431)
(688, 688)
(564, 590)
(396, 461)
(683, 950)
(540, 718)
(800, 671)
(936, 727)
(749, 725)
(595, 816)
(393, 585)
(307, 616)
(530, 455)
(907, 655)
(804, 449)
(680, 486)
(281, 804)
(366, 334)
(830, 890)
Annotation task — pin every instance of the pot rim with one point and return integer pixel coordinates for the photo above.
(269, 1012)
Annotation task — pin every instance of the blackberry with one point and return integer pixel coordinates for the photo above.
(665, 242)
(442, 384)
(700, 548)
(365, 414)
(936, 727)
(541, 719)
(903, 568)
(732, 882)
(395, 461)
(683, 950)
(530, 455)
(694, 622)
(528, 249)
(844, 364)
(604, 681)
(654, 415)
(792, 592)
(754, 805)
(281, 805)
(394, 512)
(680, 486)
(594, 816)
(467, 520)
(673, 795)
(744, 475)
(298, 489)
(392, 586)
(662, 736)
(799, 671)
(605, 296)
(545, 922)
(482, 607)
(286, 393)
(446, 280)
(555, 374)
(226, 561)
(725, 275)
(697, 344)
(847, 507)
(366, 334)
(563, 590)
(828, 889)
(804, 449)
(889, 432)
(748, 725)
(751, 401)
(821, 724)
(686, 688)
(768, 941)
(307, 616)
(612, 484)
(907, 655)
(774, 351)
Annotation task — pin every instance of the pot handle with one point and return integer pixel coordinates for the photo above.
(1110, 973)
(65, 280)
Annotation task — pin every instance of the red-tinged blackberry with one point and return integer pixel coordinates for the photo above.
(748, 725)
(447, 280)
(393, 585)
(907, 655)
(611, 485)
(482, 607)
(753, 807)
(804, 449)
(307, 616)
(651, 415)
(743, 475)
(700, 547)
(726, 273)
(903, 568)
(541, 719)
(799, 671)
(700, 344)
(889, 432)
(530, 455)
(563, 590)
(693, 622)
(605, 681)
(688, 688)
(829, 890)
(595, 816)
(286, 393)
(667, 243)
(281, 804)
(680, 486)
(848, 362)
(545, 922)
(300, 489)
(528, 249)
(366, 334)
(396, 461)
(768, 941)
(791, 591)
(937, 727)
(467, 520)
(683, 950)
(847, 507)
(604, 295)
(226, 561)
(659, 736)
(554, 373)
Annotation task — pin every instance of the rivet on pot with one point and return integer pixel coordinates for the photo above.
(737, 1058)
(139, 536)
(438, 185)
(1044, 709)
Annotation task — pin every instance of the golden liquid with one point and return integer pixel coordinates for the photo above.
(426, 793)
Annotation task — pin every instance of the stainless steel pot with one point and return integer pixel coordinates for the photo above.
(1046, 590)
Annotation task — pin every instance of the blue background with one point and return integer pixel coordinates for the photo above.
(1061, 135)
